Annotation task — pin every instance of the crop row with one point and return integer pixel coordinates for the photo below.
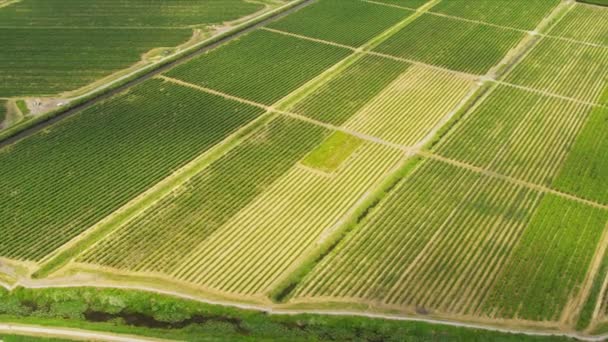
(518, 133)
(60, 181)
(451, 43)
(584, 23)
(571, 69)
(262, 66)
(166, 233)
(435, 243)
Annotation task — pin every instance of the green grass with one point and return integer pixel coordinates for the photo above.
(405, 3)
(23, 108)
(69, 176)
(550, 262)
(49, 61)
(457, 45)
(349, 22)
(3, 110)
(160, 238)
(25, 338)
(133, 13)
(262, 66)
(585, 172)
(517, 133)
(525, 15)
(595, 2)
(341, 97)
(68, 308)
(333, 152)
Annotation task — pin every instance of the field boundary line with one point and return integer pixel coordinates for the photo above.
(389, 5)
(289, 114)
(540, 188)
(322, 41)
(550, 94)
(79, 334)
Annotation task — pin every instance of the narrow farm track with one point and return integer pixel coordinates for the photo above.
(80, 334)
(197, 51)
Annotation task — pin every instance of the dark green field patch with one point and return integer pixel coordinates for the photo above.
(262, 66)
(60, 181)
(349, 22)
(451, 43)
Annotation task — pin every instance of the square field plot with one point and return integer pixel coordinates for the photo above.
(64, 179)
(584, 23)
(565, 68)
(451, 241)
(349, 22)
(457, 45)
(518, 133)
(519, 14)
(262, 66)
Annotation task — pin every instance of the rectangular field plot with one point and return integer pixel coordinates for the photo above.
(412, 105)
(340, 98)
(585, 172)
(251, 249)
(60, 181)
(550, 262)
(520, 14)
(40, 61)
(584, 23)
(518, 133)
(132, 13)
(262, 66)
(435, 243)
(349, 22)
(159, 239)
(565, 68)
(457, 45)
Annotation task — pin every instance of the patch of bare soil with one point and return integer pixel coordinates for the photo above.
(41, 105)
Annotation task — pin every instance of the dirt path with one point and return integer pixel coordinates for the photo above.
(85, 335)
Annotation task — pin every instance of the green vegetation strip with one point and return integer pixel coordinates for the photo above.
(586, 314)
(158, 316)
(333, 152)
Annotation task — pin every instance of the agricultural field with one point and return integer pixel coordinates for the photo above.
(584, 23)
(262, 66)
(555, 65)
(455, 42)
(443, 160)
(55, 46)
(523, 15)
(102, 158)
(527, 135)
(349, 22)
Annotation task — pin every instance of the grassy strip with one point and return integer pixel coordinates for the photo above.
(283, 291)
(595, 2)
(467, 107)
(586, 314)
(15, 130)
(158, 316)
(23, 107)
(146, 200)
(28, 338)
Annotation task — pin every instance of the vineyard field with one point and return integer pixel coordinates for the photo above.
(262, 66)
(255, 247)
(101, 158)
(160, 239)
(436, 243)
(350, 90)
(585, 172)
(349, 22)
(584, 23)
(518, 133)
(412, 105)
(556, 65)
(550, 263)
(132, 13)
(523, 15)
(3, 111)
(413, 4)
(61, 59)
(455, 41)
